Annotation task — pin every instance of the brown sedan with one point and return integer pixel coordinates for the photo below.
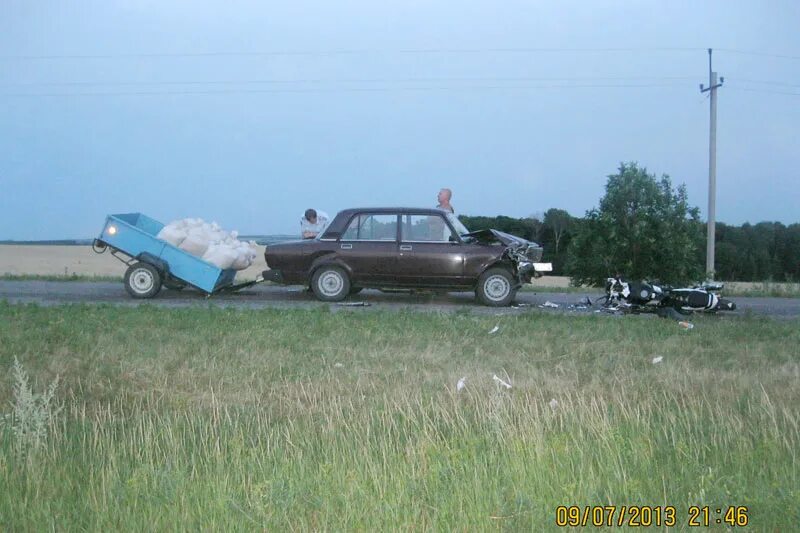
(406, 248)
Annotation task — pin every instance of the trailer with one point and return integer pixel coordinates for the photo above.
(153, 263)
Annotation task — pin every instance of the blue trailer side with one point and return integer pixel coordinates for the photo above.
(135, 235)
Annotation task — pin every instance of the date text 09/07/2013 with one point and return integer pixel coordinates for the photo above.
(646, 516)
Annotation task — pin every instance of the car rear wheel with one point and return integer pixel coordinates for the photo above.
(496, 287)
(330, 284)
(142, 280)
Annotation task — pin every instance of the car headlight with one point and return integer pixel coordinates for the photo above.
(534, 254)
(112, 230)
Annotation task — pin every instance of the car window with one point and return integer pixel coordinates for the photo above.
(460, 228)
(371, 228)
(425, 228)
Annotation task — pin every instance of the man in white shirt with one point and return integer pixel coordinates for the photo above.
(312, 223)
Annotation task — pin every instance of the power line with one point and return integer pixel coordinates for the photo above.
(347, 90)
(406, 51)
(757, 53)
(764, 91)
(345, 80)
(522, 50)
(765, 82)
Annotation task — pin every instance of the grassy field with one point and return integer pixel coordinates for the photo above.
(215, 419)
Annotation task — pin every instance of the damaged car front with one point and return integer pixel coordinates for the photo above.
(523, 255)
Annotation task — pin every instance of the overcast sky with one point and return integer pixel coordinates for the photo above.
(247, 113)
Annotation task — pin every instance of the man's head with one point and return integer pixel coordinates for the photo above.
(311, 216)
(444, 196)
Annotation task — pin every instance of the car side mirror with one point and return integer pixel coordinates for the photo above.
(453, 240)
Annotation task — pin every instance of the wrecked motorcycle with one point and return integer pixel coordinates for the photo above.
(664, 300)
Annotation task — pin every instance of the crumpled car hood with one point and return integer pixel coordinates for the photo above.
(492, 235)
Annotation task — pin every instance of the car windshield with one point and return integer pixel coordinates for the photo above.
(457, 225)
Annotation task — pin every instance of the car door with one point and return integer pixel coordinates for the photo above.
(430, 253)
(369, 247)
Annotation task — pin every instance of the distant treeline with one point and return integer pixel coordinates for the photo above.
(51, 242)
(767, 251)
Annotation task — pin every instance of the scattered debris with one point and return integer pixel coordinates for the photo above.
(520, 305)
(658, 359)
(494, 330)
(553, 404)
(548, 303)
(611, 310)
(338, 365)
(501, 382)
(685, 325)
(461, 384)
(354, 304)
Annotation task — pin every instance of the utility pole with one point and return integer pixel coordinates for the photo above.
(712, 167)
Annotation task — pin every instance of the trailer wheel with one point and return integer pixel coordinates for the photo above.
(330, 284)
(142, 280)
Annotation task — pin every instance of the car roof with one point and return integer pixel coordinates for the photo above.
(337, 225)
(399, 210)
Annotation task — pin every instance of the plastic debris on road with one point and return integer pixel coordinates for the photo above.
(549, 304)
(658, 359)
(501, 382)
(577, 307)
(461, 384)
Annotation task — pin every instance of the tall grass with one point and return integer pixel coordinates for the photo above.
(220, 419)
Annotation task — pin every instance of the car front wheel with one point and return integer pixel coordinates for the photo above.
(330, 284)
(496, 287)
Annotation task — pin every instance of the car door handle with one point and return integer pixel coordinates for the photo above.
(347, 247)
(405, 248)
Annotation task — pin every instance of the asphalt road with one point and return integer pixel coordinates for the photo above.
(270, 296)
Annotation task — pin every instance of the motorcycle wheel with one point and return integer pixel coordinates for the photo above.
(725, 305)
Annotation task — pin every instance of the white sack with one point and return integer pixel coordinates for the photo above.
(195, 243)
(220, 255)
(172, 234)
(210, 242)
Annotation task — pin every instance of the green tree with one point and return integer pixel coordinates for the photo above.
(643, 229)
(558, 222)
